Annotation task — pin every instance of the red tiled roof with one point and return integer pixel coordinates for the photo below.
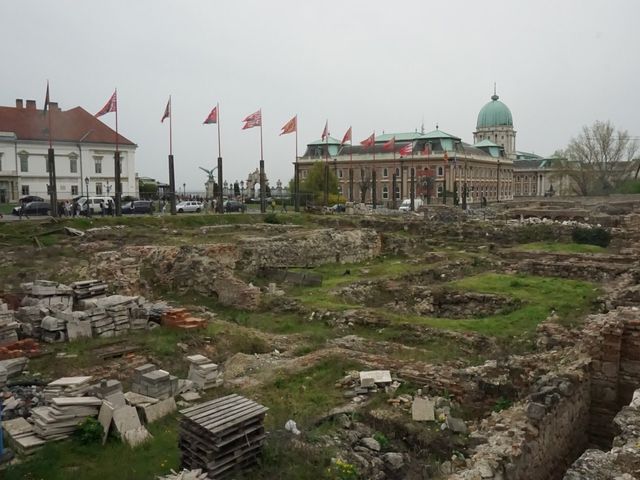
(67, 126)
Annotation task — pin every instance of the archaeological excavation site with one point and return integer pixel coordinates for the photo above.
(439, 344)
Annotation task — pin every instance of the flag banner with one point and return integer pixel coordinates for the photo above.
(347, 137)
(253, 120)
(290, 127)
(407, 149)
(426, 151)
(370, 141)
(167, 111)
(212, 117)
(325, 132)
(390, 145)
(110, 106)
(445, 157)
(46, 98)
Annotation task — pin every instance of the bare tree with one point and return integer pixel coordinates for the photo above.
(598, 160)
(364, 183)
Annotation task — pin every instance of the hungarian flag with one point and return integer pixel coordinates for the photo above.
(390, 145)
(46, 98)
(253, 120)
(167, 111)
(325, 132)
(426, 151)
(212, 117)
(407, 149)
(347, 137)
(290, 127)
(370, 141)
(110, 106)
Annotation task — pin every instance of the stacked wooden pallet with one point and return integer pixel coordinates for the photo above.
(222, 436)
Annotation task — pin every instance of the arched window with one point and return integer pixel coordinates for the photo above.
(385, 172)
(385, 192)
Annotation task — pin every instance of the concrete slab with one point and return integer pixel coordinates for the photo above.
(159, 410)
(116, 399)
(378, 376)
(104, 417)
(423, 410)
(190, 396)
(125, 419)
(135, 399)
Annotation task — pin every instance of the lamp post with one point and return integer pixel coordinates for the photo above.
(86, 190)
(108, 189)
(184, 189)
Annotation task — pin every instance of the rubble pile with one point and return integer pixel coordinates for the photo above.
(203, 372)
(49, 294)
(11, 367)
(8, 325)
(218, 439)
(153, 382)
(88, 289)
(196, 474)
(181, 318)
(358, 385)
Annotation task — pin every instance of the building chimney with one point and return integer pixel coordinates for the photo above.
(31, 104)
(54, 106)
(18, 103)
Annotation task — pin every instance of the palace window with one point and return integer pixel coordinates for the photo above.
(385, 173)
(340, 173)
(74, 190)
(24, 161)
(98, 188)
(440, 171)
(97, 164)
(385, 192)
(73, 163)
(25, 189)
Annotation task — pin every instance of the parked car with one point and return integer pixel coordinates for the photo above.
(137, 207)
(338, 208)
(234, 206)
(33, 208)
(94, 204)
(30, 198)
(189, 206)
(405, 206)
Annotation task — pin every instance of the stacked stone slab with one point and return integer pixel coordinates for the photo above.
(203, 372)
(120, 315)
(49, 294)
(67, 387)
(30, 318)
(222, 436)
(89, 289)
(61, 418)
(153, 382)
(8, 325)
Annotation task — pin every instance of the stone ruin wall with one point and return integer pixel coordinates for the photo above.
(575, 407)
(217, 269)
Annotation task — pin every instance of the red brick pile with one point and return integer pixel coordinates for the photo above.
(181, 318)
(22, 348)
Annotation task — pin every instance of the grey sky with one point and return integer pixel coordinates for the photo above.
(376, 65)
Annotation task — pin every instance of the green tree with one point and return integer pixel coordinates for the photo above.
(315, 182)
(598, 160)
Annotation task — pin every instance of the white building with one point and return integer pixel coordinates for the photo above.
(84, 153)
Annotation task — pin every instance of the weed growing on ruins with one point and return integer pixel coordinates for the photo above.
(592, 236)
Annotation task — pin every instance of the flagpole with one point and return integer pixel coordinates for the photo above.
(118, 166)
(326, 166)
(374, 193)
(263, 206)
(351, 168)
(296, 174)
(172, 174)
(220, 192)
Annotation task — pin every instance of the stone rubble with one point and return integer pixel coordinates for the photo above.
(8, 325)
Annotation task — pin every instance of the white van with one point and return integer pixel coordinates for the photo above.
(405, 206)
(94, 203)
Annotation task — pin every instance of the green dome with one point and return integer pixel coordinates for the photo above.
(494, 114)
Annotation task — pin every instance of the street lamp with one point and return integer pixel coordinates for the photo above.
(86, 190)
(184, 189)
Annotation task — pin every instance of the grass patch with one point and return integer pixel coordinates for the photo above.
(305, 395)
(552, 247)
(71, 459)
(570, 299)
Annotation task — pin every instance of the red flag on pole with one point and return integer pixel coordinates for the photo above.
(46, 98)
(253, 120)
(426, 151)
(110, 106)
(290, 127)
(325, 132)
(369, 141)
(407, 149)
(390, 145)
(347, 137)
(212, 117)
(167, 111)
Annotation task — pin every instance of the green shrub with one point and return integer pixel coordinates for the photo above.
(271, 218)
(382, 440)
(502, 404)
(89, 431)
(592, 236)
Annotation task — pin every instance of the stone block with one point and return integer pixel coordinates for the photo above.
(456, 425)
(125, 419)
(423, 410)
(104, 417)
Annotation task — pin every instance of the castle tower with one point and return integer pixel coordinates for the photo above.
(495, 124)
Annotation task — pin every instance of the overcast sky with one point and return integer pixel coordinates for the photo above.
(382, 66)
